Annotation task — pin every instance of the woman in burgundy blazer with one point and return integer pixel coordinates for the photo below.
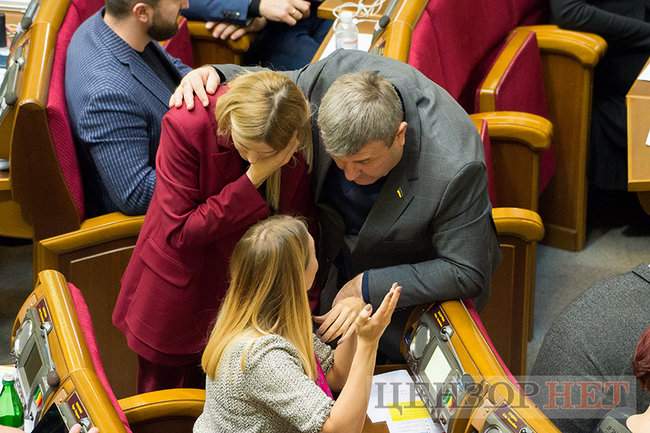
(209, 191)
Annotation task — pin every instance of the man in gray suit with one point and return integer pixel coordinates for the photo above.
(406, 199)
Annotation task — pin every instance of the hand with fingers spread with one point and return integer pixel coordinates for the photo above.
(223, 30)
(201, 81)
(340, 320)
(354, 363)
(263, 168)
(286, 11)
(369, 327)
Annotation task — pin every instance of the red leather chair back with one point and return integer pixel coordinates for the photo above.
(479, 324)
(86, 325)
(57, 112)
(454, 40)
(521, 88)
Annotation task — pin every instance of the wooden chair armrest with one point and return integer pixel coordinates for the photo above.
(93, 231)
(528, 129)
(587, 48)
(181, 402)
(489, 88)
(522, 223)
(198, 31)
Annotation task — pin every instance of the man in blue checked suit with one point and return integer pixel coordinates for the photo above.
(118, 84)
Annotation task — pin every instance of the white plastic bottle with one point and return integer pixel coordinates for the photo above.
(347, 34)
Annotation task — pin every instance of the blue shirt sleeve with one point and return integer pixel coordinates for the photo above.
(234, 11)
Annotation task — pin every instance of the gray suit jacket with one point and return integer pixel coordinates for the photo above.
(438, 240)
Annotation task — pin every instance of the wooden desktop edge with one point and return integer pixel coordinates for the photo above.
(640, 183)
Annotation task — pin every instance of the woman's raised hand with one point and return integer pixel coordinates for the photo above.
(262, 169)
(370, 328)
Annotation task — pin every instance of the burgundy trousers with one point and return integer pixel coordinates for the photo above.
(154, 377)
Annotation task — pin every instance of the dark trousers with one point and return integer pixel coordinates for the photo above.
(154, 377)
(284, 48)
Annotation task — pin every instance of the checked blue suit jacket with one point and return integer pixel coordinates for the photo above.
(116, 103)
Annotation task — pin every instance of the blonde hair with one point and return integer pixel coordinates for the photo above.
(266, 107)
(267, 292)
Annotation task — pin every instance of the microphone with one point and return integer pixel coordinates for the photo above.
(383, 21)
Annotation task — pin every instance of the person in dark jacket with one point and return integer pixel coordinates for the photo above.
(287, 32)
(625, 25)
(592, 344)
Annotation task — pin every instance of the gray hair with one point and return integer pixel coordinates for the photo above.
(358, 108)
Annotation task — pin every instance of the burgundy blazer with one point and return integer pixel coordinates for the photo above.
(202, 204)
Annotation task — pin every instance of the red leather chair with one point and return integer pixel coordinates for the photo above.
(459, 63)
(47, 179)
(77, 355)
(519, 86)
(92, 253)
(562, 63)
(508, 314)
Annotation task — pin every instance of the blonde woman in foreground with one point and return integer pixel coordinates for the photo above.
(267, 371)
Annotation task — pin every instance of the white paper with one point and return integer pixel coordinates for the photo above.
(645, 75)
(4, 369)
(392, 389)
(647, 140)
(364, 44)
(387, 390)
(424, 425)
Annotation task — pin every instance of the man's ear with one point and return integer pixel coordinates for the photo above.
(143, 12)
(400, 137)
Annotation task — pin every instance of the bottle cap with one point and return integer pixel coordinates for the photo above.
(8, 377)
(346, 16)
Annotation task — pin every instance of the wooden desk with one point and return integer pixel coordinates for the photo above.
(638, 153)
(326, 9)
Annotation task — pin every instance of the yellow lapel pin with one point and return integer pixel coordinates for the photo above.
(399, 193)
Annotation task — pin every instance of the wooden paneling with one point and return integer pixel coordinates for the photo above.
(638, 127)
(568, 59)
(208, 50)
(94, 259)
(508, 313)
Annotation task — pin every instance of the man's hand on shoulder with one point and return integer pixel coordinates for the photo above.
(201, 81)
